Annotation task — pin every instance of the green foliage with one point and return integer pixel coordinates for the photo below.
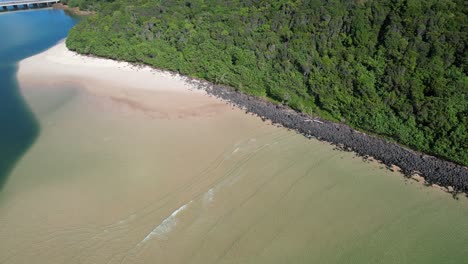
(86, 4)
(395, 68)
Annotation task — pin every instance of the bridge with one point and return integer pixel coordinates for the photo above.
(25, 4)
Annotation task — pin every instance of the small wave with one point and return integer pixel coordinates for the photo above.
(166, 225)
(209, 196)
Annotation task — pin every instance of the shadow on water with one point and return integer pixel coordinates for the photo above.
(21, 38)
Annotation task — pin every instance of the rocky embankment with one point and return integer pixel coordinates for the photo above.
(453, 177)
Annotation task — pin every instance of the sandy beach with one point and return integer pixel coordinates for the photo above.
(155, 92)
(59, 62)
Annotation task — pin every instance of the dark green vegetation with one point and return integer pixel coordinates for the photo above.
(395, 68)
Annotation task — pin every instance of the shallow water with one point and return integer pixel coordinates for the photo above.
(108, 183)
(189, 180)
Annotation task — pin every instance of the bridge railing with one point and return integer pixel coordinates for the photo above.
(24, 2)
(12, 5)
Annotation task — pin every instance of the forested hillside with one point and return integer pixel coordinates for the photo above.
(397, 68)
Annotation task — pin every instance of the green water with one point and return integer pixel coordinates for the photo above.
(24, 33)
(107, 184)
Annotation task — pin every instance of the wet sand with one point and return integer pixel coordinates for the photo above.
(133, 166)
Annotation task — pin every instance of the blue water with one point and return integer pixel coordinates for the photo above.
(23, 34)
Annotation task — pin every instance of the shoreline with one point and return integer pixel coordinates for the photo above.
(72, 10)
(449, 176)
(62, 65)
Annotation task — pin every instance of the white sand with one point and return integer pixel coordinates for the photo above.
(154, 92)
(59, 62)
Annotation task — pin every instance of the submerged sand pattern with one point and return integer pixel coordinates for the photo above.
(110, 183)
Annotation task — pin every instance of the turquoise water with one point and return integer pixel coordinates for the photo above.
(23, 34)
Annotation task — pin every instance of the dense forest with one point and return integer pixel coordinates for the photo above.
(397, 68)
